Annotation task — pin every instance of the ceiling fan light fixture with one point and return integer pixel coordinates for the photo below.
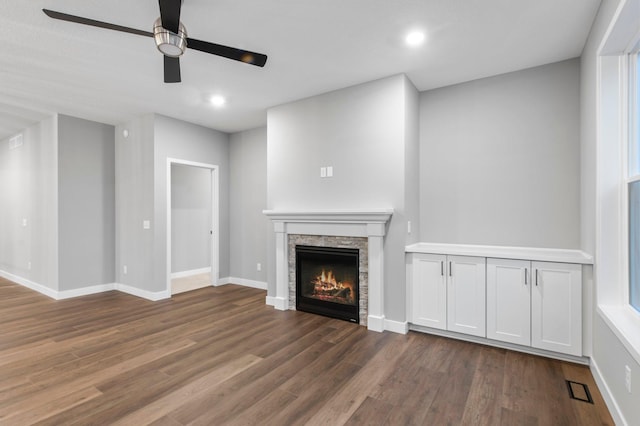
(170, 43)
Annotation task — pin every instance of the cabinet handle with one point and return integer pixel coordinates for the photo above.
(442, 268)
(450, 273)
(526, 272)
(536, 277)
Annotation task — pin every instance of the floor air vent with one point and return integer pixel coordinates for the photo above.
(579, 391)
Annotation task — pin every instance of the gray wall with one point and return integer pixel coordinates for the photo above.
(86, 203)
(361, 131)
(30, 182)
(141, 193)
(500, 160)
(609, 353)
(134, 203)
(185, 141)
(248, 198)
(190, 218)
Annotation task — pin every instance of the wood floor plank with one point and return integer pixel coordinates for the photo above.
(219, 355)
(342, 404)
(163, 406)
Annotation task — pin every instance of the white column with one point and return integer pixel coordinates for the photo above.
(375, 319)
(281, 301)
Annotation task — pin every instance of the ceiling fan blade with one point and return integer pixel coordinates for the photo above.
(171, 70)
(170, 14)
(91, 22)
(253, 58)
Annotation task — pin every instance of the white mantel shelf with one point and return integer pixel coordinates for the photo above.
(344, 216)
(504, 252)
(370, 224)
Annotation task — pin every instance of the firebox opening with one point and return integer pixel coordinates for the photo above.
(327, 281)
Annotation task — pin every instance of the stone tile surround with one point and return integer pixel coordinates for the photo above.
(360, 243)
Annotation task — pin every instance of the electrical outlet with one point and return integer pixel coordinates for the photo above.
(323, 172)
(259, 267)
(627, 378)
(29, 265)
(124, 269)
(408, 227)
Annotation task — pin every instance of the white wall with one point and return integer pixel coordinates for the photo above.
(86, 203)
(500, 160)
(248, 198)
(30, 183)
(362, 132)
(190, 218)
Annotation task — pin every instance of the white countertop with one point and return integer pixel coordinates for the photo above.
(504, 252)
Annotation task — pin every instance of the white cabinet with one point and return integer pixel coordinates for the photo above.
(556, 307)
(509, 300)
(528, 297)
(429, 299)
(537, 304)
(448, 293)
(466, 295)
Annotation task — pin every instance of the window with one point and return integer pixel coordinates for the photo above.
(633, 181)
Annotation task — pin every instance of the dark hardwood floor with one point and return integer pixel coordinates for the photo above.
(220, 356)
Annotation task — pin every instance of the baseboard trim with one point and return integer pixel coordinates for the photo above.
(85, 291)
(145, 294)
(190, 273)
(605, 391)
(278, 303)
(261, 285)
(49, 292)
(504, 345)
(401, 327)
(375, 323)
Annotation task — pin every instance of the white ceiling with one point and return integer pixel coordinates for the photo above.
(314, 46)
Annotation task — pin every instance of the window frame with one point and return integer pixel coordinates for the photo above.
(630, 111)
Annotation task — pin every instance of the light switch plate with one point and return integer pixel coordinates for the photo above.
(146, 224)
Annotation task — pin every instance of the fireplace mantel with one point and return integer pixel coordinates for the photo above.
(349, 223)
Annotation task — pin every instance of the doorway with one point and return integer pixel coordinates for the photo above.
(192, 225)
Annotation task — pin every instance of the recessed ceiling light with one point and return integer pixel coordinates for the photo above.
(415, 38)
(217, 100)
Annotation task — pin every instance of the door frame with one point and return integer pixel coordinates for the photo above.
(215, 218)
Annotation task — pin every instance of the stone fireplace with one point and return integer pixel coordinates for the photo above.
(363, 231)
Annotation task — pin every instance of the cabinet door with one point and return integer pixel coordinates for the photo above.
(466, 295)
(429, 291)
(556, 307)
(509, 301)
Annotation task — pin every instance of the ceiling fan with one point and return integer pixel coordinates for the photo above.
(171, 39)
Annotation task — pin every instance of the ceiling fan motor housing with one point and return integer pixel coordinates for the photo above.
(168, 42)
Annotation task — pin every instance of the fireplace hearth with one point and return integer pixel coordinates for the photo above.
(327, 281)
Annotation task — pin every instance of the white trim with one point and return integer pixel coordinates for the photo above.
(401, 327)
(85, 291)
(504, 252)
(215, 218)
(154, 296)
(30, 284)
(375, 323)
(605, 391)
(192, 272)
(623, 322)
(350, 216)
(346, 223)
(261, 285)
(278, 303)
(504, 345)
